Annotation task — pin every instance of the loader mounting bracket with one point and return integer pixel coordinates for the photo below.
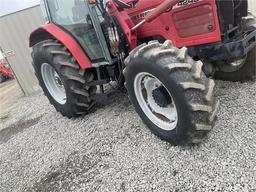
(226, 51)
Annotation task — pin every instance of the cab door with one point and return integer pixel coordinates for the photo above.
(78, 19)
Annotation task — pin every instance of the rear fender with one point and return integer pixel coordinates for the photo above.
(51, 31)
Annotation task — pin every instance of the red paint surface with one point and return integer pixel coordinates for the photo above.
(166, 26)
(125, 22)
(165, 5)
(63, 37)
(195, 21)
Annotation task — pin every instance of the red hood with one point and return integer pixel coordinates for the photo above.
(144, 5)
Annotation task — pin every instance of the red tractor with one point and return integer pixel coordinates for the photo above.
(167, 53)
(5, 71)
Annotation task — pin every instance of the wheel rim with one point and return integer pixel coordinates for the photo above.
(53, 83)
(234, 65)
(146, 86)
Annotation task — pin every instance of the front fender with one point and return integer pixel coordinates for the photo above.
(50, 31)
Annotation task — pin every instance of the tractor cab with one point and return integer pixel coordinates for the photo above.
(83, 22)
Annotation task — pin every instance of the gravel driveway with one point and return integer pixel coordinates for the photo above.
(111, 149)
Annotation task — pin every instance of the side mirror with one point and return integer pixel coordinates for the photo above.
(92, 1)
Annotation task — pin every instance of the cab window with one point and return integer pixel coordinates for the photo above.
(73, 16)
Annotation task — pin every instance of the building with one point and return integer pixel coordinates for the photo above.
(16, 24)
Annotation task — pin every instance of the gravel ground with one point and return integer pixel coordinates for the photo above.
(111, 149)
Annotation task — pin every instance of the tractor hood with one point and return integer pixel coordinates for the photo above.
(143, 7)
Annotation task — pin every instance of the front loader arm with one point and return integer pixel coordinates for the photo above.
(160, 9)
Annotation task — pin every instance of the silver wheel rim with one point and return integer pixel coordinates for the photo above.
(234, 65)
(165, 118)
(53, 83)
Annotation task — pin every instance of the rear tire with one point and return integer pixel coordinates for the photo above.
(78, 94)
(191, 91)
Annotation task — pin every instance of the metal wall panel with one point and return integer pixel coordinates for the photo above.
(14, 34)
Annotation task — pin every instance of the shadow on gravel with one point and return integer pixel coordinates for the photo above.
(21, 125)
(116, 97)
(76, 171)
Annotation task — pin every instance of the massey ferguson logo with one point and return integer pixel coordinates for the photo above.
(185, 3)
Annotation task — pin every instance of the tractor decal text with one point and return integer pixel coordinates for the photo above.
(185, 3)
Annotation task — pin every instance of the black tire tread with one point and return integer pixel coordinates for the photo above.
(71, 74)
(206, 107)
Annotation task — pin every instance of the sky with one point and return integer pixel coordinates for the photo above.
(11, 6)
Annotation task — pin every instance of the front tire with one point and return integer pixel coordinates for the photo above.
(63, 82)
(184, 90)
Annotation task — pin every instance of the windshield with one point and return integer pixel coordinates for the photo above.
(74, 17)
(68, 12)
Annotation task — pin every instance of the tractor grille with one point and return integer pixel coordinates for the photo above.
(194, 21)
